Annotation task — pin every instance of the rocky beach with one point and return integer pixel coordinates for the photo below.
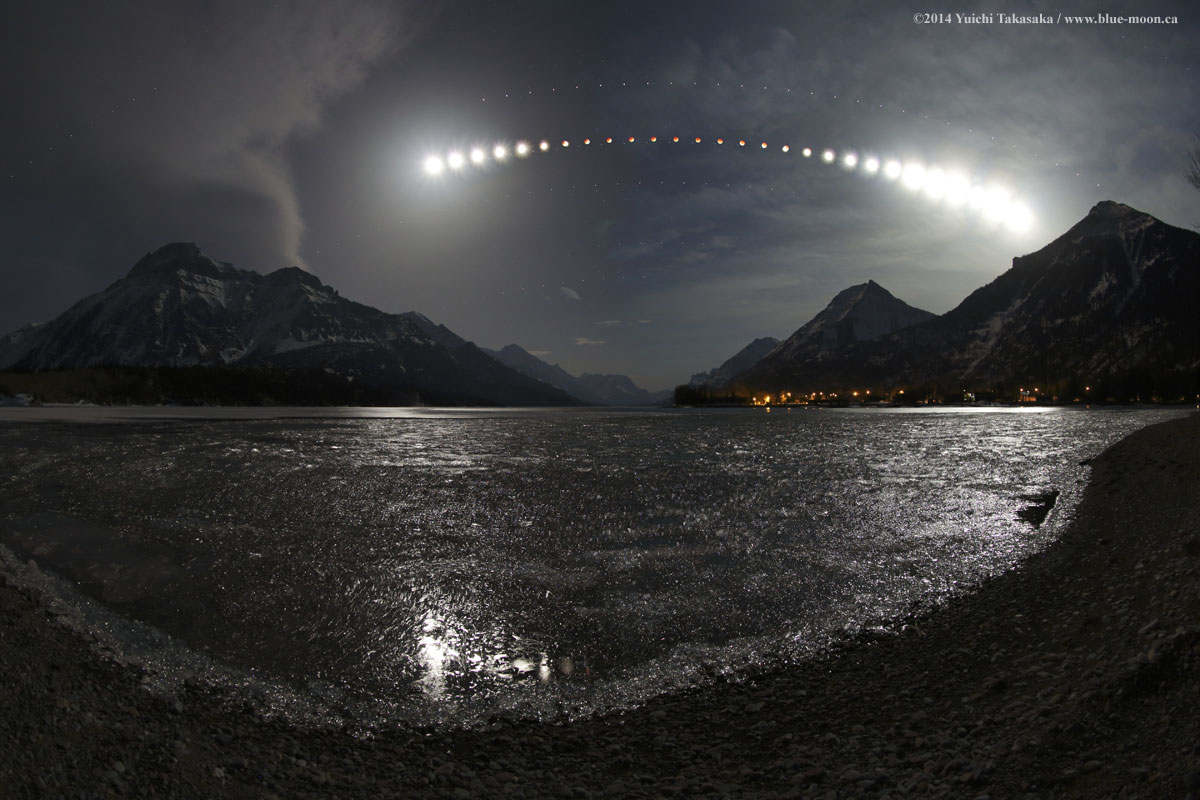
(1075, 675)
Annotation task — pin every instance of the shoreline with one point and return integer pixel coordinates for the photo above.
(1075, 675)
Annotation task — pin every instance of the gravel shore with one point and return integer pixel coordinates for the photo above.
(1076, 675)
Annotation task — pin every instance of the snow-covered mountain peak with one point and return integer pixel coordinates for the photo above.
(296, 274)
(175, 257)
(1111, 210)
(1108, 218)
(179, 308)
(860, 313)
(846, 300)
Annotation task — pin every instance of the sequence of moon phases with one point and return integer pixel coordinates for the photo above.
(953, 188)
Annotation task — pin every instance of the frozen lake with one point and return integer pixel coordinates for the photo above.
(448, 566)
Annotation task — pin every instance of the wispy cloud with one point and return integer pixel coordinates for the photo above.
(191, 136)
(583, 341)
(569, 293)
(620, 323)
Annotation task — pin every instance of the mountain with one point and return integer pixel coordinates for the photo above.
(863, 313)
(739, 362)
(858, 314)
(177, 309)
(607, 390)
(620, 390)
(1118, 293)
(1113, 303)
(516, 357)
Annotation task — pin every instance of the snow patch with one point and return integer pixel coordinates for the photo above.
(1103, 287)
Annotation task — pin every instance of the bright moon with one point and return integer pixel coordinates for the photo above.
(434, 165)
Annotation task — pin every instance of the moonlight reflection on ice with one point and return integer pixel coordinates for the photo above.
(452, 566)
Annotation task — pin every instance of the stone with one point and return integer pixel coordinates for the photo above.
(815, 774)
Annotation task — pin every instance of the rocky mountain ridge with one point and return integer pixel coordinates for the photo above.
(1112, 303)
(178, 308)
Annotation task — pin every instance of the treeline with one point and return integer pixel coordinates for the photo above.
(688, 395)
(213, 385)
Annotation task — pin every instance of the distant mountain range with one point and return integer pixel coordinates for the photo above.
(178, 309)
(612, 390)
(281, 337)
(1110, 309)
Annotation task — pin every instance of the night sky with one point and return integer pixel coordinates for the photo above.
(275, 134)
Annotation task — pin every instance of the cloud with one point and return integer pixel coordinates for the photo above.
(620, 323)
(583, 341)
(175, 118)
(570, 294)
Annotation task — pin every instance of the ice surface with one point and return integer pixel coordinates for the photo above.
(446, 567)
